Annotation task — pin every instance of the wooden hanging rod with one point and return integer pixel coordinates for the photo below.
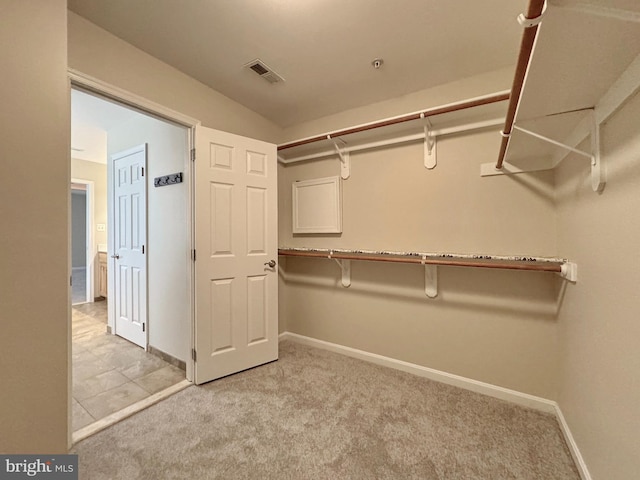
(526, 48)
(453, 107)
(531, 265)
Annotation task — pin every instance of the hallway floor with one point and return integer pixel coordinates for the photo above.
(110, 373)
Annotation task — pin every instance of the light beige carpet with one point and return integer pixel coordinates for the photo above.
(319, 415)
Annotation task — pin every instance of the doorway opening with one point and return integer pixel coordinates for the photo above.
(112, 369)
(81, 241)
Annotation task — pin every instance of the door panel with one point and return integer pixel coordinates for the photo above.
(130, 236)
(236, 236)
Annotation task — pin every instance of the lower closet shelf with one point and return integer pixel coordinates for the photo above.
(431, 261)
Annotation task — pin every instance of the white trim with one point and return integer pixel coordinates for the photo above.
(81, 80)
(513, 396)
(572, 445)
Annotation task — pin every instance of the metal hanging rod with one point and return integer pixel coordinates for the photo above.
(397, 140)
(530, 22)
(451, 107)
(486, 261)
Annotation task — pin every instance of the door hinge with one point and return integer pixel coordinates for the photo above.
(193, 154)
(143, 171)
(193, 254)
(193, 354)
(144, 327)
(142, 248)
(71, 281)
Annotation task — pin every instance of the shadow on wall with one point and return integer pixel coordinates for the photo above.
(536, 295)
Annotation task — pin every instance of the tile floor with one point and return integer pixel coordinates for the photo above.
(110, 373)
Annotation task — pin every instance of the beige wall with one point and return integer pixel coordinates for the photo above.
(34, 249)
(493, 326)
(600, 315)
(97, 173)
(97, 53)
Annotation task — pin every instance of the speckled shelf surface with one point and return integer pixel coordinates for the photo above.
(431, 255)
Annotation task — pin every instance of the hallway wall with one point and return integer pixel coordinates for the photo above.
(34, 206)
(168, 238)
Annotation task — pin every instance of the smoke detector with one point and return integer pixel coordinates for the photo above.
(266, 72)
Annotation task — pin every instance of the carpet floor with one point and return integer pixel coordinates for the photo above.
(314, 414)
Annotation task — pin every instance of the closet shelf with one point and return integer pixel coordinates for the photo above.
(542, 264)
(431, 261)
(583, 65)
(471, 114)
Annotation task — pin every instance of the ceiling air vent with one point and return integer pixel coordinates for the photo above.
(264, 71)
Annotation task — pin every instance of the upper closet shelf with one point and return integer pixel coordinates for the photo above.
(425, 125)
(579, 62)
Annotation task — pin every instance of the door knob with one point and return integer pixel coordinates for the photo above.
(116, 256)
(271, 263)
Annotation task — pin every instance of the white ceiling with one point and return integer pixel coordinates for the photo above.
(91, 118)
(323, 48)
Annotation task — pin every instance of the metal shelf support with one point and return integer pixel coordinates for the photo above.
(430, 279)
(598, 173)
(430, 159)
(345, 160)
(345, 267)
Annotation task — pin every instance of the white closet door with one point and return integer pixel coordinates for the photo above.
(236, 253)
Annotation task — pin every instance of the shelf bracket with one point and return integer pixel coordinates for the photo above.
(345, 160)
(554, 142)
(430, 159)
(430, 279)
(569, 271)
(597, 168)
(345, 266)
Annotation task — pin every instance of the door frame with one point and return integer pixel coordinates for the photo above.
(90, 246)
(86, 83)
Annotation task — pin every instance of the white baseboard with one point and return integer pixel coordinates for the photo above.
(573, 446)
(513, 396)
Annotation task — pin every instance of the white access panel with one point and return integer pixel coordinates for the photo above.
(317, 205)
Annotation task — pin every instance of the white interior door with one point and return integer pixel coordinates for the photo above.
(236, 249)
(129, 235)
